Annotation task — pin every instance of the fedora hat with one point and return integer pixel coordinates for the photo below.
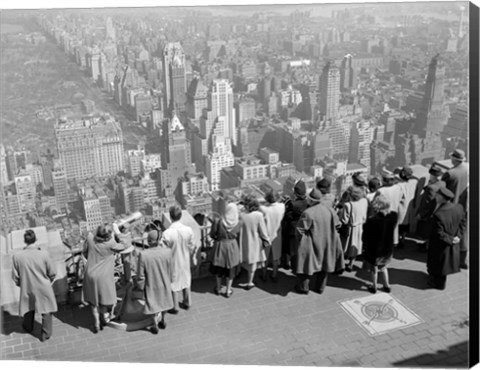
(458, 154)
(315, 195)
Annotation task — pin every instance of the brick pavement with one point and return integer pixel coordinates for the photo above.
(271, 325)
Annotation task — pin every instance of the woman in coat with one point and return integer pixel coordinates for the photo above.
(226, 253)
(273, 212)
(353, 214)
(154, 278)
(253, 237)
(99, 284)
(33, 272)
(378, 241)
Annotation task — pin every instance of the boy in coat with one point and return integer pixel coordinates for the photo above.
(33, 272)
(154, 278)
(448, 225)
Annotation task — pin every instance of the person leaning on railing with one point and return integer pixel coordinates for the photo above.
(99, 284)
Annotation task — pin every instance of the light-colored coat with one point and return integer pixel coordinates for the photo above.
(273, 214)
(99, 283)
(33, 272)
(405, 210)
(253, 231)
(154, 278)
(394, 194)
(179, 238)
(355, 214)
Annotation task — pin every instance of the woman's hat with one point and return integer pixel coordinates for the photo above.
(435, 171)
(153, 237)
(300, 188)
(359, 180)
(458, 154)
(324, 185)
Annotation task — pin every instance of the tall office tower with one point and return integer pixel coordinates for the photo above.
(220, 157)
(244, 109)
(329, 85)
(460, 26)
(90, 147)
(3, 165)
(176, 155)
(109, 29)
(196, 98)
(93, 212)
(60, 187)
(175, 78)
(347, 73)
(433, 113)
(134, 161)
(220, 102)
(361, 136)
(94, 63)
(25, 188)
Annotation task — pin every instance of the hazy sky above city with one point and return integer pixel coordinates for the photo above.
(26, 4)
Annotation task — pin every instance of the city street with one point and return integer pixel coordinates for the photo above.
(272, 325)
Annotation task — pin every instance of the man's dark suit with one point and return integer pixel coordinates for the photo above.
(444, 256)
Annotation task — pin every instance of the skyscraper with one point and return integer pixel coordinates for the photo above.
(196, 98)
(347, 73)
(220, 102)
(329, 85)
(433, 113)
(90, 147)
(60, 187)
(176, 155)
(109, 29)
(175, 78)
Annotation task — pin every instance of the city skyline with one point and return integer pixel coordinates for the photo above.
(113, 111)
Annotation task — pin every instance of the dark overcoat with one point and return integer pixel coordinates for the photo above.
(378, 238)
(427, 207)
(444, 256)
(319, 246)
(34, 273)
(293, 211)
(154, 277)
(456, 180)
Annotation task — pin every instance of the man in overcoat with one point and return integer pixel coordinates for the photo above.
(448, 225)
(293, 211)
(428, 203)
(154, 278)
(34, 273)
(456, 180)
(319, 250)
(179, 238)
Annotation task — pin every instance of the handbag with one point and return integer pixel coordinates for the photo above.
(344, 229)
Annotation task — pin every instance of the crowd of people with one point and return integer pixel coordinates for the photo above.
(313, 235)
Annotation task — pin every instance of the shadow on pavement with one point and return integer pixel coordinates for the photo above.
(13, 324)
(411, 278)
(282, 287)
(346, 281)
(455, 356)
(76, 316)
